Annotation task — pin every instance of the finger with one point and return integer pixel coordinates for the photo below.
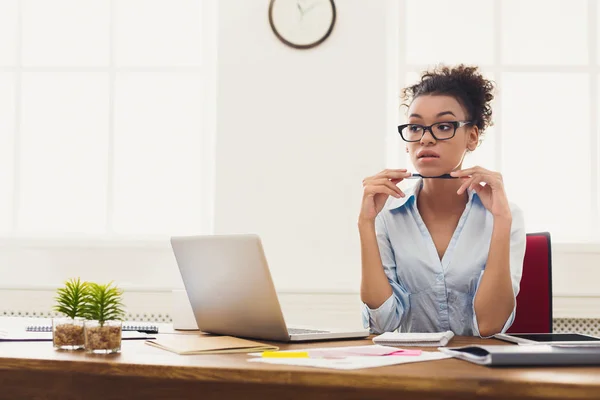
(394, 191)
(390, 170)
(396, 177)
(393, 174)
(386, 182)
(470, 171)
(493, 180)
(385, 188)
(460, 173)
(479, 188)
(475, 181)
(482, 190)
(464, 186)
(382, 189)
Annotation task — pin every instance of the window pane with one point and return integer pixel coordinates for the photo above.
(8, 31)
(546, 152)
(157, 188)
(63, 163)
(66, 32)
(557, 36)
(597, 36)
(7, 118)
(158, 32)
(459, 31)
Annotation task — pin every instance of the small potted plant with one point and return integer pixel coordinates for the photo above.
(104, 312)
(67, 331)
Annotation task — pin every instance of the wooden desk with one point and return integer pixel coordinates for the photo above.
(36, 371)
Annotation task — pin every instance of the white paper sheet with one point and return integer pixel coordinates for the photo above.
(349, 363)
(348, 351)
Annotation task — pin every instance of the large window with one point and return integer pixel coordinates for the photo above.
(102, 124)
(543, 55)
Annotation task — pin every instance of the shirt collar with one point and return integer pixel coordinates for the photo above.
(412, 193)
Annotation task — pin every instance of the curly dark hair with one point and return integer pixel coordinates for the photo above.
(464, 83)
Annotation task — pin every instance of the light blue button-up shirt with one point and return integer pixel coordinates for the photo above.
(429, 294)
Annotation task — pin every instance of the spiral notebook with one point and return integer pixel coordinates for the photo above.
(430, 339)
(18, 335)
(144, 328)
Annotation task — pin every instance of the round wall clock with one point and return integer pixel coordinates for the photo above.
(302, 24)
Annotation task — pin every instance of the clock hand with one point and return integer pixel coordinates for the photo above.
(299, 7)
(313, 5)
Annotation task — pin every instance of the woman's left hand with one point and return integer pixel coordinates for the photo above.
(492, 194)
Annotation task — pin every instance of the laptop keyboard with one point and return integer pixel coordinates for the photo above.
(297, 331)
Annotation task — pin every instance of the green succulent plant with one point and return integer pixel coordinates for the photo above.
(103, 303)
(71, 299)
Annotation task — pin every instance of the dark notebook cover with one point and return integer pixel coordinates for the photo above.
(526, 355)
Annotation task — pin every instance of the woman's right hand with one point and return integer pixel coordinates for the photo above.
(377, 189)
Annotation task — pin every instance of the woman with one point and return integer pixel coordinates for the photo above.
(448, 253)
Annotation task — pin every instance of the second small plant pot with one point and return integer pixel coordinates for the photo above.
(102, 338)
(67, 333)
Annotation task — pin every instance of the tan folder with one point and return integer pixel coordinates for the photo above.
(204, 344)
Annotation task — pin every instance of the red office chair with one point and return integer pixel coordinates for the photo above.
(534, 301)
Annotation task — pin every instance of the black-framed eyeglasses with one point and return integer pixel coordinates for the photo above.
(440, 130)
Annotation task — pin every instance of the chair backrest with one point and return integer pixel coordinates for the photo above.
(534, 301)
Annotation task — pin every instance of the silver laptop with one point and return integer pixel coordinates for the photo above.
(231, 291)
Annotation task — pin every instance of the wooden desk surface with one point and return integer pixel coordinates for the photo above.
(36, 370)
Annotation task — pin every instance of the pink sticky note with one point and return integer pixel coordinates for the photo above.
(406, 353)
(370, 350)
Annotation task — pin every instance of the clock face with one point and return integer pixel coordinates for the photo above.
(302, 23)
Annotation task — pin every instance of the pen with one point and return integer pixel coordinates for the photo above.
(285, 354)
(444, 176)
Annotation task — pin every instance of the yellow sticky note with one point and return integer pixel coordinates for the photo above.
(285, 354)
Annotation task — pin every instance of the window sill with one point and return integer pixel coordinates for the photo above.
(115, 241)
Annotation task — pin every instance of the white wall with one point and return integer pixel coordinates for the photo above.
(297, 132)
